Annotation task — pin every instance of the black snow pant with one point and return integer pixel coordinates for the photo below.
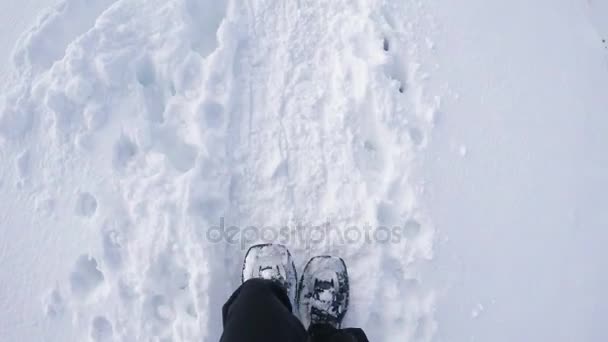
(260, 311)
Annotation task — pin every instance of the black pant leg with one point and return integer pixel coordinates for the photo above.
(327, 333)
(260, 311)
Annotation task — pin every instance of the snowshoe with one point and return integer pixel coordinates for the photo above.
(273, 262)
(323, 291)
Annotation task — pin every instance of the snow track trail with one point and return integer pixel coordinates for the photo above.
(154, 122)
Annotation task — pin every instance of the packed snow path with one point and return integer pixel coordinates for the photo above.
(150, 122)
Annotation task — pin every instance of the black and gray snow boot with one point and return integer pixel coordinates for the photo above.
(272, 262)
(323, 292)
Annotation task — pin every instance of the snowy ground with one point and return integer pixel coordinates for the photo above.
(16, 17)
(131, 129)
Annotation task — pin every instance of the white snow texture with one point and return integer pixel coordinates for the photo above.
(452, 153)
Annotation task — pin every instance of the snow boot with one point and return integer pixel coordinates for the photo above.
(272, 262)
(323, 292)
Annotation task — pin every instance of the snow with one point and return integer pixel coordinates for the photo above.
(16, 17)
(524, 210)
(454, 156)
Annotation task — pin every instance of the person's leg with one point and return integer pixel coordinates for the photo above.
(320, 332)
(260, 310)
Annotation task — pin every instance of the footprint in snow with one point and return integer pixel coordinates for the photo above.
(54, 304)
(411, 228)
(154, 103)
(124, 151)
(212, 114)
(86, 205)
(145, 72)
(158, 314)
(85, 277)
(101, 329)
(386, 214)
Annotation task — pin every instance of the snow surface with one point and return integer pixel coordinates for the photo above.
(16, 17)
(131, 129)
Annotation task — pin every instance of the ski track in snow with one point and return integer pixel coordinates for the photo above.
(155, 119)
